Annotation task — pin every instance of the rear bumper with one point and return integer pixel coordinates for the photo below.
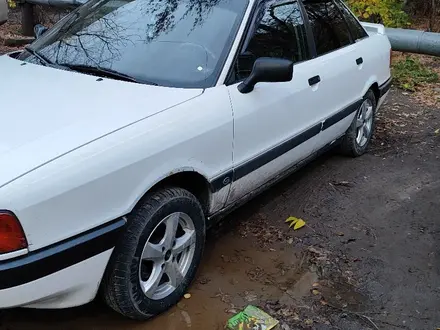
(65, 274)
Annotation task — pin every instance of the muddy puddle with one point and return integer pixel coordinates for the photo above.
(245, 262)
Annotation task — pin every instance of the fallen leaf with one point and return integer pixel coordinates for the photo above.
(299, 224)
(187, 318)
(308, 322)
(249, 296)
(437, 131)
(315, 285)
(315, 292)
(323, 302)
(187, 295)
(291, 219)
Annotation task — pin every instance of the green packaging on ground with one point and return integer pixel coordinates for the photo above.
(251, 318)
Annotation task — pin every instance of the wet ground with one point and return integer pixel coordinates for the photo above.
(368, 258)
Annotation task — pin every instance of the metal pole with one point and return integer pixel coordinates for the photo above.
(414, 41)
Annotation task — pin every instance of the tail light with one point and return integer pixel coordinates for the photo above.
(12, 237)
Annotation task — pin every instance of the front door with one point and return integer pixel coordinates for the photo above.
(274, 127)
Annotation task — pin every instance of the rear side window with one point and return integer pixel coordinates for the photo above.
(356, 29)
(330, 30)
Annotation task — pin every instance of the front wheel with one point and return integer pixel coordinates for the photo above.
(157, 257)
(358, 136)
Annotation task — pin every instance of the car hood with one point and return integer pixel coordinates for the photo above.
(46, 112)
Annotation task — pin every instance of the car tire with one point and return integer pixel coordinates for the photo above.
(358, 136)
(148, 250)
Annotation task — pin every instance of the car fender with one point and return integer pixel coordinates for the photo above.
(104, 180)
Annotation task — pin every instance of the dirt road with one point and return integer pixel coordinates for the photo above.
(369, 249)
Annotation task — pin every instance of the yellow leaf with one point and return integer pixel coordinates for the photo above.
(187, 295)
(294, 223)
(315, 292)
(437, 131)
(291, 219)
(299, 224)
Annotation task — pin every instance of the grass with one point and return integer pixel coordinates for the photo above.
(409, 73)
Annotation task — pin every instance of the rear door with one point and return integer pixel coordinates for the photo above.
(363, 49)
(336, 65)
(370, 52)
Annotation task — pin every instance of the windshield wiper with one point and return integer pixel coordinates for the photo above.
(43, 59)
(38, 55)
(104, 72)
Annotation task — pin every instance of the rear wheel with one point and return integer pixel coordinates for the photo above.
(358, 136)
(157, 257)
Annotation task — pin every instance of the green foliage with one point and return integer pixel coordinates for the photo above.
(387, 12)
(12, 4)
(409, 73)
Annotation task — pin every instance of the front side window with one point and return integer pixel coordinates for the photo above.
(330, 30)
(356, 29)
(277, 30)
(166, 42)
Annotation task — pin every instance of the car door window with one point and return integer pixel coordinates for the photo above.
(356, 29)
(330, 30)
(277, 31)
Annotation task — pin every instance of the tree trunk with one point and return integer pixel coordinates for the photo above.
(432, 17)
(27, 19)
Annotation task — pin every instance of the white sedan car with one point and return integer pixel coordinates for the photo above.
(132, 126)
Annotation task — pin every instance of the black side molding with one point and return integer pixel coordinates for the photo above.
(341, 115)
(46, 261)
(279, 150)
(385, 87)
(253, 164)
(359, 61)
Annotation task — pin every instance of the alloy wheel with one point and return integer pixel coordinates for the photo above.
(364, 123)
(167, 256)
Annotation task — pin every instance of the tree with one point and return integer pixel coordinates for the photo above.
(387, 12)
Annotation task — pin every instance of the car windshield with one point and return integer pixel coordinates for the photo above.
(175, 43)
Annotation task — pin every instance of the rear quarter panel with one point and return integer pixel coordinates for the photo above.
(376, 53)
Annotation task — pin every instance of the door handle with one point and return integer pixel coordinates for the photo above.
(314, 80)
(359, 61)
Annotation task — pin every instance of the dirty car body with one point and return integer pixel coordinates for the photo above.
(141, 115)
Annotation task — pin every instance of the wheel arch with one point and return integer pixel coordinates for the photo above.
(375, 88)
(188, 179)
(373, 85)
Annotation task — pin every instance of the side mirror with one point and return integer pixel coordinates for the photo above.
(267, 69)
(39, 30)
